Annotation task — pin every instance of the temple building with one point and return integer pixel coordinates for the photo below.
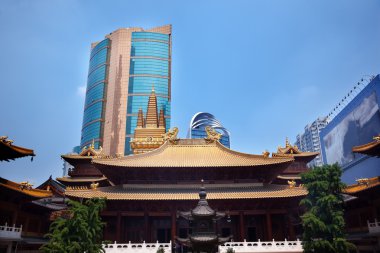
(362, 210)
(25, 211)
(301, 159)
(150, 130)
(146, 191)
(84, 173)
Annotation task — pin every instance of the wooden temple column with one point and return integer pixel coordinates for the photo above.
(269, 226)
(174, 227)
(14, 217)
(118, 227)
(241, 222)
(146, 227)
(291, 229)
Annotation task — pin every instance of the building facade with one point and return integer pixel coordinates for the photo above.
(309, 140)
(198, 124)
(123, 68)
(357, 123)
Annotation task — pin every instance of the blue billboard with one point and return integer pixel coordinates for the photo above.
(356, 124)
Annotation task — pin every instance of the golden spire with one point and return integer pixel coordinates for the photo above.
(93, 143)
(151, 114)
(140, 119)
(287, 144)
(161, 121)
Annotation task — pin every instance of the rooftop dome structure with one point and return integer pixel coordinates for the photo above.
(198, 124)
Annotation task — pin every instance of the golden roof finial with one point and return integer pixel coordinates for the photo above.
(171, 135)
(93, 143)
(212, 135)
(291, 183)
(287, 144)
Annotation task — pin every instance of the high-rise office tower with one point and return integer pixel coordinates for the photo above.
(309, 141)
(200, 121)
(123, 68)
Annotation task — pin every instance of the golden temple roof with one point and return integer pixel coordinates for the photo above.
(371, 148)
(362, 184)
(193, 153)
(8, 151)
(293, 151)
(189, 192)
(24, 188)
(87, 153)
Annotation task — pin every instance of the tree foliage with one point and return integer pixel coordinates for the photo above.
(79, 233)
(323, 222)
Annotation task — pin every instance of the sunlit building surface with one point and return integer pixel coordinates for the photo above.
(309, 140)
(357, 123)
(123, 69)
(198, 124)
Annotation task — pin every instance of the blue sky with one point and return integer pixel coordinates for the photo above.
(264, 68)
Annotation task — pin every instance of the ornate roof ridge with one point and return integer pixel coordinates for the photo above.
(362, 184)
(305, 154)
(370, 148)
(11, 152)
(229, 154)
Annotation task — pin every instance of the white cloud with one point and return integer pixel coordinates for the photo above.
(81, 91)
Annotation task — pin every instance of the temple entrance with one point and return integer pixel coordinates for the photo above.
(161, 231)
(251, 234)
(163, 235)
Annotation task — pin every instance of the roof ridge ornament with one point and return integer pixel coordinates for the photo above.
(212, 135)
(171, 136)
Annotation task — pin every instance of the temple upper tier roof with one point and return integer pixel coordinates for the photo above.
(24, 189)
(371, 148)
(193, 153)
(188, 192)
(8, 151)
(293, 151)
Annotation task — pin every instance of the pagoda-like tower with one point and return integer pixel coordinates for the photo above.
(203, 220)
(292, 174)
(149, 130)
(84, 172)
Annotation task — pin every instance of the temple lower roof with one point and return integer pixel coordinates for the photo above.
(188, 192)
(24, 188)
(193, 153)
(362, 185)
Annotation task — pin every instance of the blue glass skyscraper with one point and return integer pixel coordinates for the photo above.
(198, 124)
(123, 69)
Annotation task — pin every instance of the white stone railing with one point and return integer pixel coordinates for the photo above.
(373, 227)
(259, 246)
(10, 232)
(137, 247)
